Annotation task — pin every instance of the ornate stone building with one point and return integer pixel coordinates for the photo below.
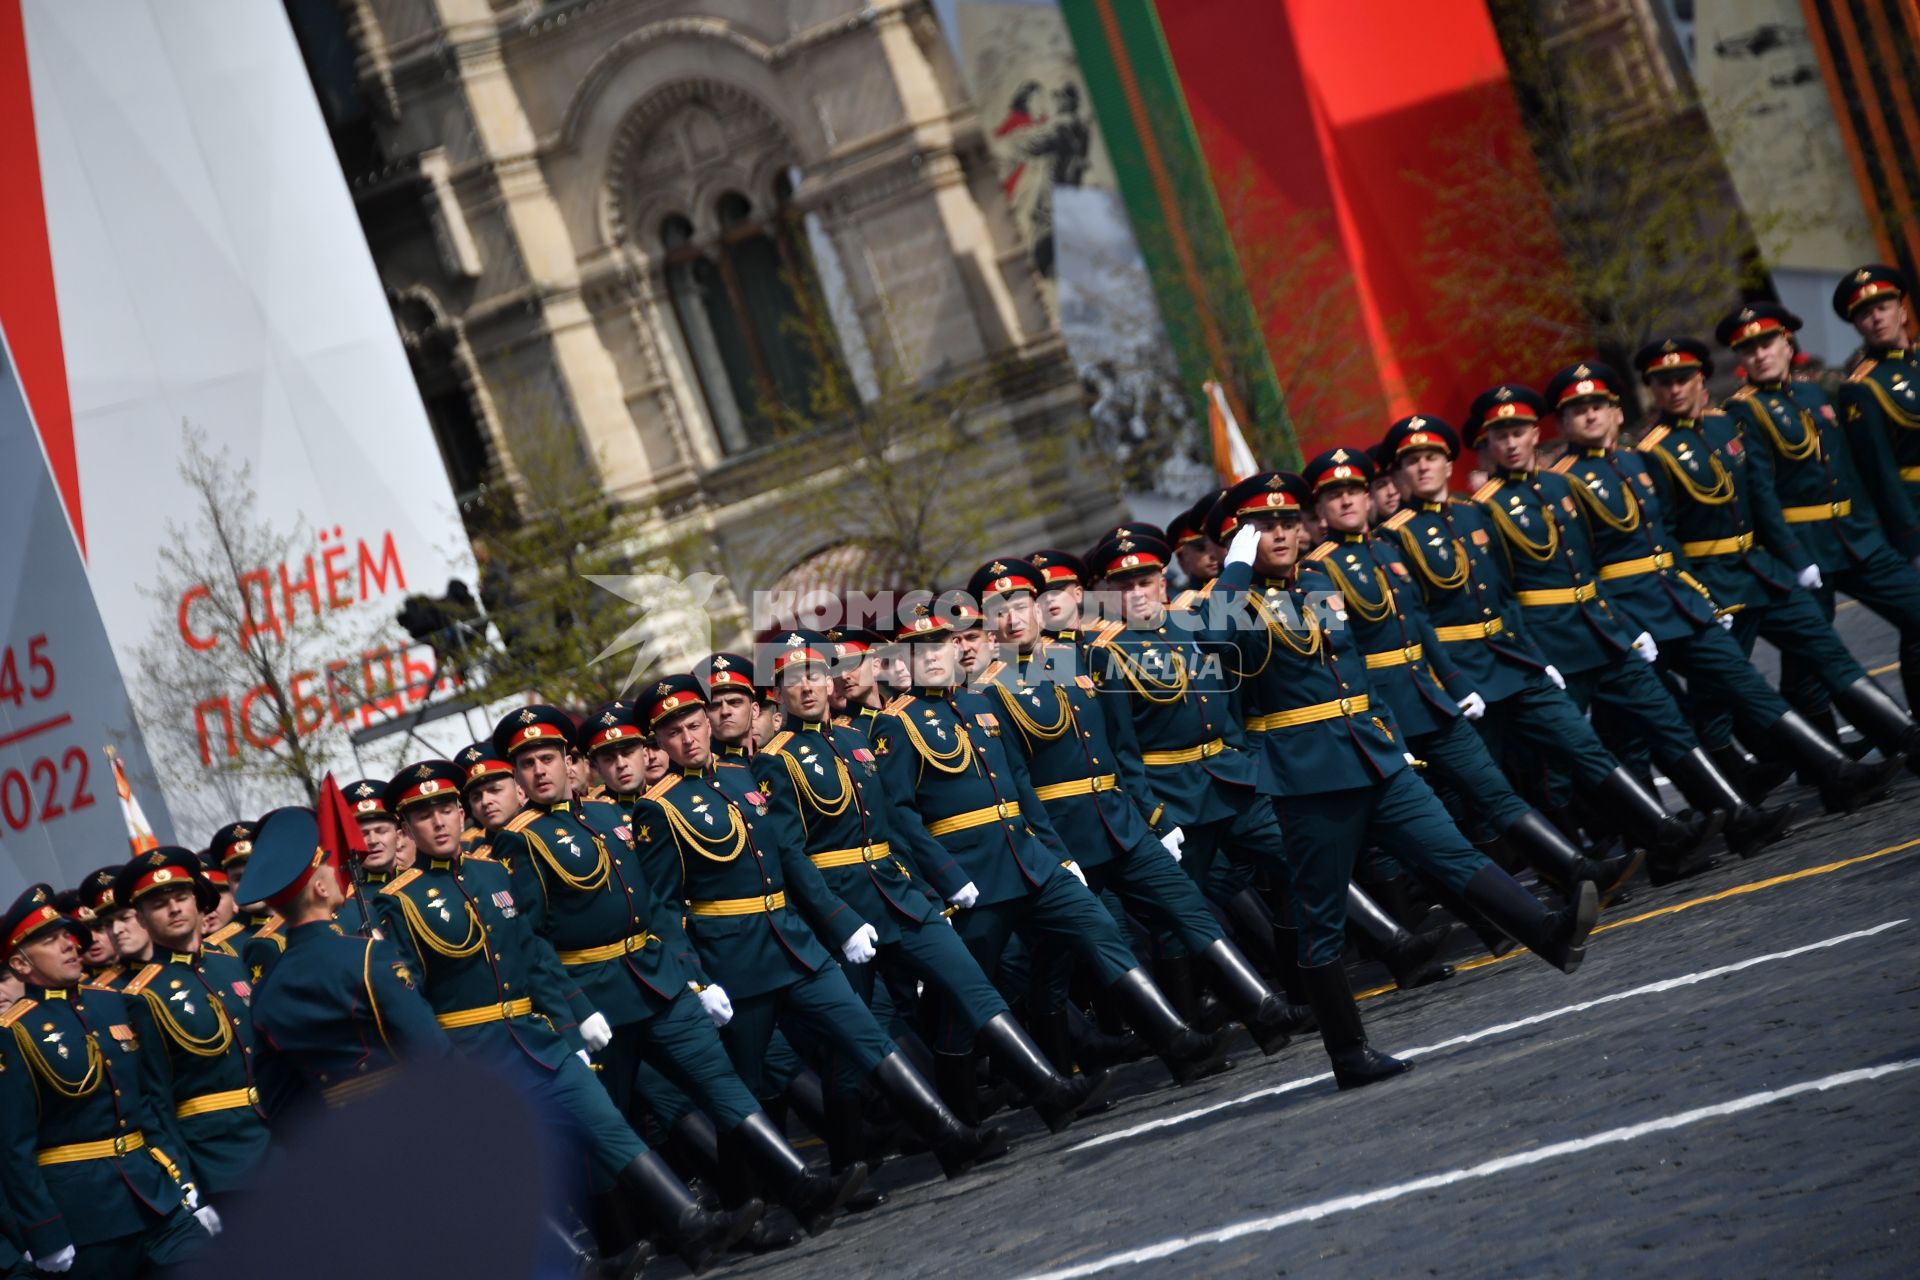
(598, 221)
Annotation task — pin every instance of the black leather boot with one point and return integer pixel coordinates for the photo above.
(1880, 720)
(1412, 958)
(1187, 1054)
(1496, 940)
(1355, 1062)
(1845, 783)
(1756, 779)
(958, 1147)
(813, 1198)
(1561, 863)
(1058, 1098)
(1558, 937)
(846, 1139)
(739, 1183)
(1749, 828)
(1270, 1020)
(1096, 1046)
(957, 1078)
(696, 1234)
(1673, 842)
(1174, 976)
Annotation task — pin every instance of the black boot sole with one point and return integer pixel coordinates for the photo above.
(993, 1144)
(1361, 1079)
(1568, 956)
(1753, 841)
(1059, 1118)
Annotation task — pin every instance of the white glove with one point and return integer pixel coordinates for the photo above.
(1553, 674)
(61, 1261)
(713, 999)
(1243, 544)
(1408, 757)
(1725, 620)
(968, 894)
(209, 1219)
(595, 1031)
(862, 946)
(1174, 839)
(190, 1194)
(583, 1056)
(1073, 869)
(1810, 578)
(1644, 646)
(1473, 706)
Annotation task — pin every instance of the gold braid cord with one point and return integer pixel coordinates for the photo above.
(709, 848)
(1032, 727)
(1369, 610)
(958, 760)
(1542, 551)
(1718, 496)
(825, 808)
(1149, 686)
(423, 932)
(30, 1050)
(1450, 582)
(592, 882)
(1809, 445)
(1623, 524)
(213, 1046)
(1306, 648)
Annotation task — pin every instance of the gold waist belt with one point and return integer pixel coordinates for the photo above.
(1824, 511)
(1470, 631)
(1719, 546)
(1308, 715)
(1635, 568)
(1078, 787)
(231, 1100)
(1185, 755)
(851, 857)
(480, 1017)
(974, 818)
(1395, 657)
(1560, 595)
(738, 906)
(612, 951)
(74, 1153)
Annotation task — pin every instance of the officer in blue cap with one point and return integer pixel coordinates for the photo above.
(95, 1174)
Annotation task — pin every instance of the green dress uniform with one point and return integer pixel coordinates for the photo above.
(1336, 768)
(1810, 505)
(90, 1158)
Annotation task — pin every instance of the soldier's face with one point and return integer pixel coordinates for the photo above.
(435, 825)
(171, 915)
(1767, 359)
(223, 911)
(731, 714)
(622, 766)
(50, 958)
(1592, 422)
(1343, 507)
(1383, 498)
(1015, 618)
(11, 989)
(767, 719)
(1060, 607)
(1509, 445)
(853, 683)
(100, 949)
(1423, 473)
(1280, 538)
(494, 801)
(687, 739)
(973, 650)
(1683, 394)
(1883, 322)
(657, 763)
(579, 776)
(383, 842)
(806, 691)
(1142, 596)
(934, 662)
(129, 935)
(542, 774)
(1200, 560)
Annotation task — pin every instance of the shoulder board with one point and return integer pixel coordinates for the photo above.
(1715, 412)
(271, 928)
(1652, 439)
(1398, 520)
(1564, 466)
(843, 722)
(1184, 599)
(141, 980)
(1487, 490)
(900, 703)
(102, 987)
(777, 741)
(224, 932)
(993, 670)
(472, 833)
(393, 887)
(479, 853)
(105, 977)
(661, 787)
(1106, 632)
(522, 820)
(727, 764)
(17, 1010)
(598, 791)
(1745, 393)
(1321, 552)
(1861, 370)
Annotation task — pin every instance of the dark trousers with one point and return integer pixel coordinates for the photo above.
(1633, 696)
(819, 1013)
(175, 1240)
(1458, 760)
(1884, 583)
(1327, 830)
(1541, 720)
(936, 955)
(681, 1044)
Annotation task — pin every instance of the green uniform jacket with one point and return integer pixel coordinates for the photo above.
(1701, 470)
(78, 1065)
(1629, 527)
(204, 1050)
(1546, 544)
(1803, 469)
(1385, 614)
(1880, 404)
(841, 805)
(457, 924)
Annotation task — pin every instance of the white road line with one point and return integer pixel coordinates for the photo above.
(1519, 1160)
(1652, 988)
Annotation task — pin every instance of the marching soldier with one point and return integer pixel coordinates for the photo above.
(97, 951)
(202, 1038)
(1880, 404)
(232, 847)
(732, 699)
(221, 915)
(580, 886)
(1063, 585)
(1652, 587)
(736, 875)
(1450, 546)
(91, 1173)
(379, 827)
(1702, 476)
(1432, 701)
(965, 812)
(1813, 510)
(498, 992)
(1198, 556)
(1084, 765)
(490, 794)
(840, 818)
(1337, 768)
(857, 694)
(131, 944)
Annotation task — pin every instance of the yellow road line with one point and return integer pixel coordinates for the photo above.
(1754, 887)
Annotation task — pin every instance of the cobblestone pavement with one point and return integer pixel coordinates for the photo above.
(1790, 968)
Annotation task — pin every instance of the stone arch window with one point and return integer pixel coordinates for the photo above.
(705, 177)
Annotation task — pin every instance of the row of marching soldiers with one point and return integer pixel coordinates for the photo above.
(884, 881)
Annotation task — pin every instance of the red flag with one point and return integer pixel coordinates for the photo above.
(339, 829)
